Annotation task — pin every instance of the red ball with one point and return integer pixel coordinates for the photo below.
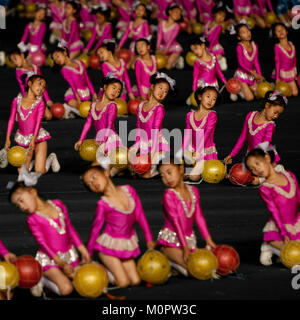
(124, 54)
(132, 106)
(30, 271)
(38, 58)
(141, 163)
(183, 26)
(94, 62)
(228, 259)
(57, 110)
(239, 175)
(233, 86)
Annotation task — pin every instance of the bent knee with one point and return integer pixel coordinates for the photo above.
(66, 289)
(135, 282)
(124, 283)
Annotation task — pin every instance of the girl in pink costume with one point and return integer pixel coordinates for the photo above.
(124, 15)
(259, 10)
(212, 30)
(102, 29)
(280, 191)
(206, 67)
(205, 10)
(248, 71)
(50, 225)
(242, 9)
(103, 115)
(138, 28)
(70, 32)
(86, 16)
(150, 114)
(168, 31)
(285, 58)
(161, 7)
(145, 67)
(119, 207)
(181, 206)
(259, 127)
(24, 68)
(189, 10)
(74, 72)
(200, 130)
(34, 33)
(30, 110)
(112, 64)
(58, 15)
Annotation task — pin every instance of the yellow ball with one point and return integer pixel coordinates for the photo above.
(263, 88)
(153, 267)
(84, 108)
(284, 88)
(9, 63)
(87, 34)
(16, 156)
(161, 61)
(9, 276)
(90, 280)
(270, 18)
(85, 59)
(290, 254)
(198, 28)
(113, 14)
(119, 157)
(88, 149)
(251, 22)
(190, 58)
(20, 7)
(50, 62)
(202, 264)
(193, 100)
(30, 7)
(122, 107)
(214, 171)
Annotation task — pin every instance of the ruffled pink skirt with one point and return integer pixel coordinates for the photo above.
(24, 141)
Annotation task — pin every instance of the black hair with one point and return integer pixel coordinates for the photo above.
(200, 91)
(77, 7)
(172, 160)
(198, 41)
(17, 51)
(38, 7)
(97, 168)
(257, 152)
(171, 7)
(19, 185)
(154, 80)
(105, 13)
(56, 68)
(25, 80)
(274, 27)
(109, 46)
(279, 101)
(108, 81)
(217, 9)
(239, 26)
(142, 39)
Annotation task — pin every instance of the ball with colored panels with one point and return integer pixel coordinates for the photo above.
(270, 18)
(198, 28)
(88, 149)
(233, 85)
(94, 61)
(132, 106)
(57, 110)
(90, 280)
(119, 157)
(190, 58)
(202, 264)
(16, 156)
(87, 34)
(30, 7)
(250, 22)
(30, 271)
(193, 100)
(228, 259)
(161, 61)
(284, 88)
(85, 59)
(38, 58)
(290, 254)
(239, 175)
(154, 267)
(84, 108)
(262, 88)
(124, 54)
(121, 106)
(9, 276)
(141, 163)
(214, 171)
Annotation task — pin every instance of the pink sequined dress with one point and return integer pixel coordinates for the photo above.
(86, 17)
(166, 38)
(242, 7)
(55, 236)
(179, 216)
(205, 73)
(100, 33)
(143, 72)
(58, 15)
(285, 63)
(189, 9)
(71, 36)
(283, 203)
(34, 36)
(205, 9)
(254, 134)
(247, 61)
(79, 82)
(162, 6)
(3, 250)
(104, 123)
(260, 7)
(124, 16)
(200, 134)
(118, 238)
(212, 34)
(29, 122)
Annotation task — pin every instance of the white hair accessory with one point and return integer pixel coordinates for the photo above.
(62, 43)
(228, 9)
(22, 46)
(106, 41)
(111, 75)
(203, 39)
(162, 75)
(102, 6)
(104, 161)
(232, 30)
(244, 21)
(29, 178)
(277, 94)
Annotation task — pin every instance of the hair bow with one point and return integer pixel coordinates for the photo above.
(162, 75)
(276, 94)
(244, 21)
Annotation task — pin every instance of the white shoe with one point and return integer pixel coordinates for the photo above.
(37, 290)
(233, 97)
(266, 254)
(179, 63)
(241, 94)
(223, 64)
(55, 166)
(68, 113)
(2, 58)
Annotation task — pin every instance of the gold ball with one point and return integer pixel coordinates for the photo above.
(121, 106)
(119, 157)
(214, 171)
(193, 100)
(190, 58)
(270, 18)
(263, 88)
(9, 276)
(85, 59)
(30, 7)
(161, 61)
(290, 254)
(84, 108)
(198, 28)
(284, 88)
(16, 156)
(88, 149)
(251, 22)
